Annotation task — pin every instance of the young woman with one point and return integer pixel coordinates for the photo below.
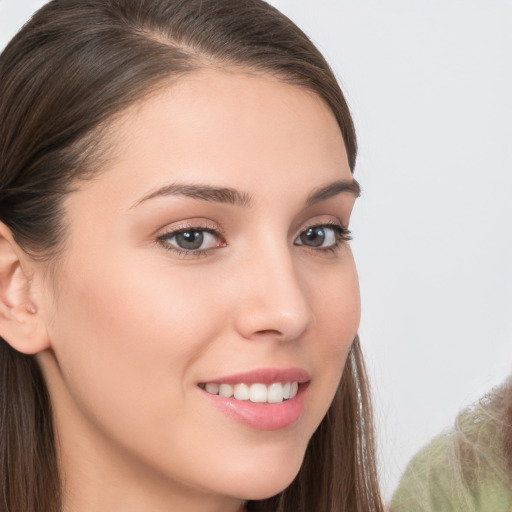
(466, 468)
(178, 300)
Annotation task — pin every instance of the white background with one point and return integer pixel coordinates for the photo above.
(430, 87)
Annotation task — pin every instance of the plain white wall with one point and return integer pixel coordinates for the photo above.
(429, 84)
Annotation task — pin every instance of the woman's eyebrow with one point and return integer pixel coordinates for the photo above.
(237, 198)
(203, 192)
(333, 189)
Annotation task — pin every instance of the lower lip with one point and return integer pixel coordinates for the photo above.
(263, 416)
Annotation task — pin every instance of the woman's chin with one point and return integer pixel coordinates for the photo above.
(260, 484)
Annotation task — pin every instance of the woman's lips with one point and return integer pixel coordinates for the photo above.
(264, 399)
(264, 376)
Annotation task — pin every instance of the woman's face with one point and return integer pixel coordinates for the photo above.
(210, 255)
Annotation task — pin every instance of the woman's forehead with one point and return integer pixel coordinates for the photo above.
(226, 129)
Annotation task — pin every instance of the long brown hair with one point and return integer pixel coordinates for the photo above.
(63, 79)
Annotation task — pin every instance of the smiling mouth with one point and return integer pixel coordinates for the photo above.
(273, 393)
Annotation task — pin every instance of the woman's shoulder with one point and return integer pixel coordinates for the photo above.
(463, 468)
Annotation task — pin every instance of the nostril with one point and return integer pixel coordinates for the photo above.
(269, 332)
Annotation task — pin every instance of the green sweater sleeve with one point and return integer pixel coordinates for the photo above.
(431, 483)
(459, 471)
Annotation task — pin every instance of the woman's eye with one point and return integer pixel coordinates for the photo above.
(193, 239)
(323, 237)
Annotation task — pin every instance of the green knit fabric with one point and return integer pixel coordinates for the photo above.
(462, 470)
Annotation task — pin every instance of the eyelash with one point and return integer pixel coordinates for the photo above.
(341, 233)
(197, 253)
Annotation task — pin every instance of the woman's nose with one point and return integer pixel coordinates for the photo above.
(272, 300)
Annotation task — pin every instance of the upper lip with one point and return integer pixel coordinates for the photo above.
(264, 376)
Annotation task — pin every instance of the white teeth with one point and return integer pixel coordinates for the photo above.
(242, 392)
(293, 389)
(212, 388)
(226, 390)
(275, 393)
(286, 390)
(258, 393)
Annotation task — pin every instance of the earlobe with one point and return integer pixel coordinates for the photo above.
(21, 324)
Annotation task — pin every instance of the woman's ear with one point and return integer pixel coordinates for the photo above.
(21, 325)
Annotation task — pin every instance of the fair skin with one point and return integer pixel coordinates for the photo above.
(134, 328)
